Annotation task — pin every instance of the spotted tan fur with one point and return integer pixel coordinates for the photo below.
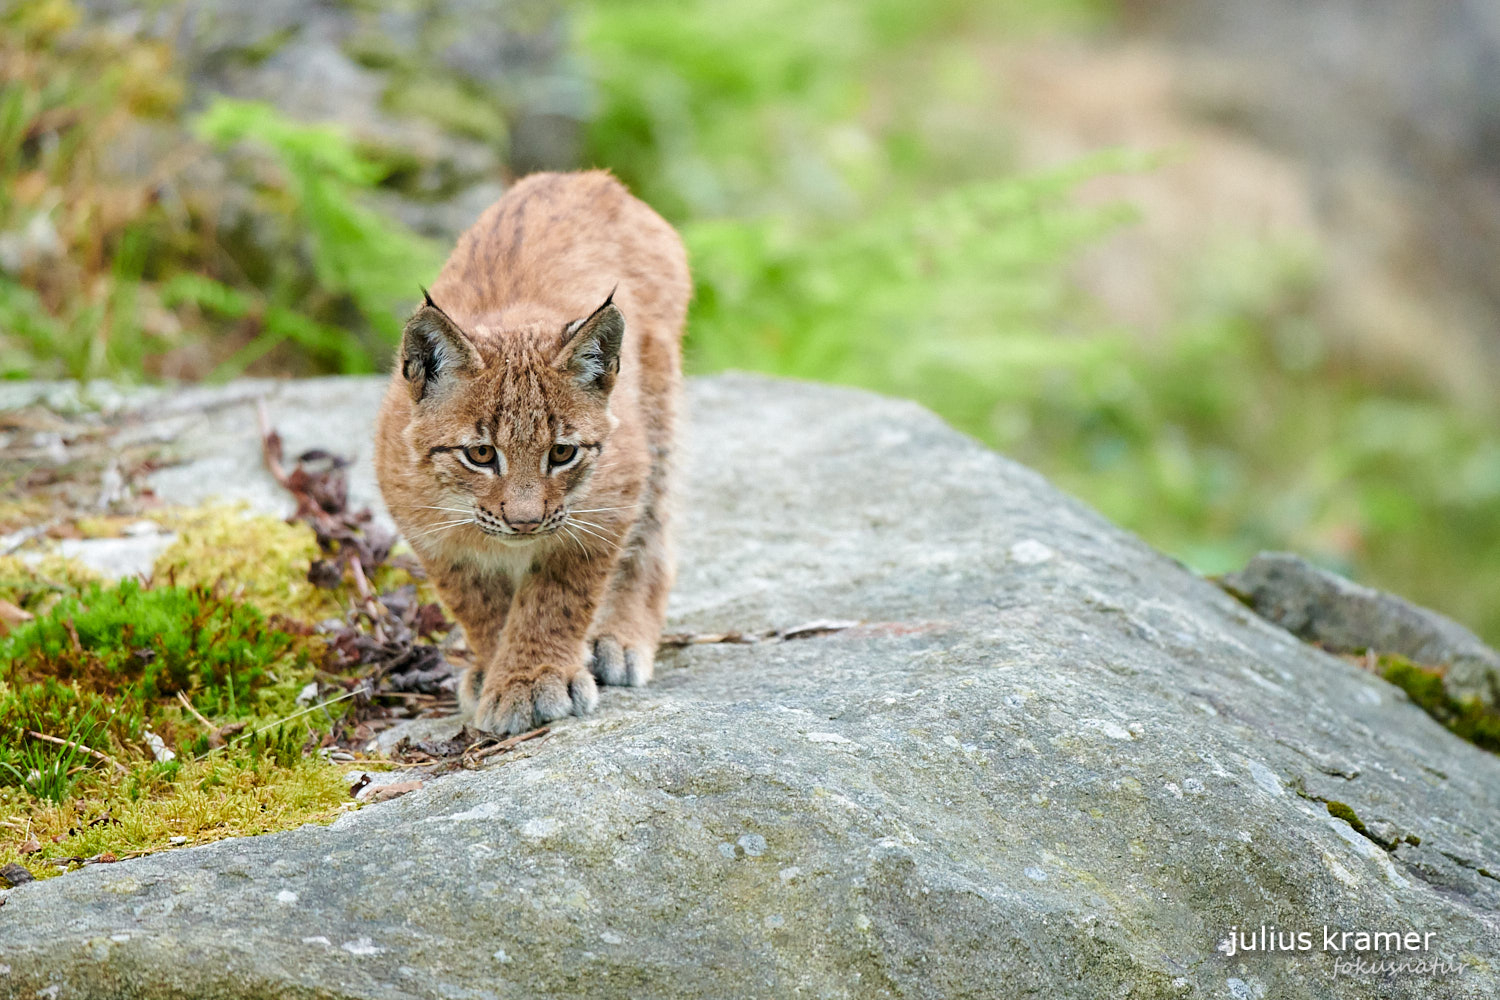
(555, 324)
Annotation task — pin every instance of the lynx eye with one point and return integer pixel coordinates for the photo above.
(562, 454)
(480, 454)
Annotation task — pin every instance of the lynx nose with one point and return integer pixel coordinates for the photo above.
(521, 526)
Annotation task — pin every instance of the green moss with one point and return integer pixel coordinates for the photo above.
(1468, 718)
(100, 675)
(374, 50)
(108, 666)
(1348, 815)
(259, 559)
(264, 48)
(37, 587)
(225, 795)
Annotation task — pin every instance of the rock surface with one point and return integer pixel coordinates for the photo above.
(1050, 762)
(1344, 617)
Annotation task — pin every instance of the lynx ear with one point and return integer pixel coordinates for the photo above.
(434, 349)
(591, 351)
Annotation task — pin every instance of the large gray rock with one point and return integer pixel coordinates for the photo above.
(1344, 617)
(1051, 762)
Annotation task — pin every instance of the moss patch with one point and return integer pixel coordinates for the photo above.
(224, 795)
(253, 557)
(140, 715)
(118, 672)
(1469, 718)
(452, 106)
(259, 559)
(1348, 815)
(133, 714)
(38, 587)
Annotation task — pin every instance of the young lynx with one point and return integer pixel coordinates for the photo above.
(525, 442)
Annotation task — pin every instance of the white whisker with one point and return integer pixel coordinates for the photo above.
(443, 526)
(596, 510)
(581, 547)
(581, 526)
(423, 506)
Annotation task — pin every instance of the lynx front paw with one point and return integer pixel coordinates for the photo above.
(519, 701)
(620, 663)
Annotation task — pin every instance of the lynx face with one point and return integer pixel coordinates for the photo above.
(510, 437)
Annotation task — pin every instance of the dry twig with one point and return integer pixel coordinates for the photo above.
(106, 758)
(187, 704)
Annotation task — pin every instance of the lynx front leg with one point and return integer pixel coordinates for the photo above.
(481, 605)
(623, 641)
(539, 672)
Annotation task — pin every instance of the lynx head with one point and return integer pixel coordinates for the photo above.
(509, 429)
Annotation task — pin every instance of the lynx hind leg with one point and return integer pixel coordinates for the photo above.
(622, 642)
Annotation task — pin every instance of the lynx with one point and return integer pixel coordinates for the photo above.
(524, 445)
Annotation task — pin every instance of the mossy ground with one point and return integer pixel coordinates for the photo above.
(37, 587)
(205, 660)
(220, 796)
(259, 559)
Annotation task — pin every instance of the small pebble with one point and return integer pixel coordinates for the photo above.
(12, 875)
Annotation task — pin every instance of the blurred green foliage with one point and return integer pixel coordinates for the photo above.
(356, 253)
(846, 191)
(837, 234)
(128, 275)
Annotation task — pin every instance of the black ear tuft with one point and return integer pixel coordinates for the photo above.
(591, 354)
(433, 349)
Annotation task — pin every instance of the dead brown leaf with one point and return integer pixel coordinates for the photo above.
(221, 736)
(389, 640)
(394, 790)
(11, 616)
